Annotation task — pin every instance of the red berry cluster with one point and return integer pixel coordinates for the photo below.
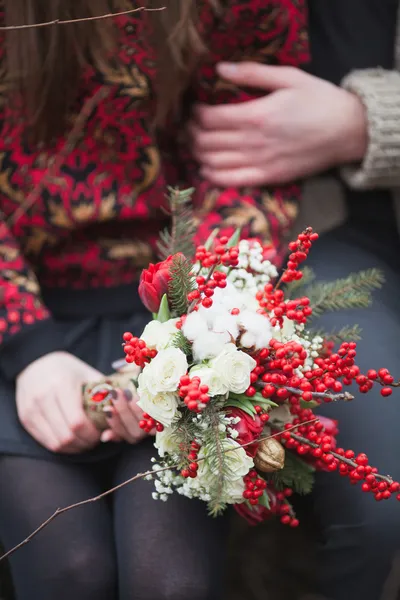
(136, 350)
(319, 445)
(255, 487)
(264, 416)
(221, 255)
(299, 252)
(148, 424)
(342, 365)
(194, 393)
(382, 376)
(193, 465)
(283, 509)
(273, 301)
(206, 287)
(276, 367)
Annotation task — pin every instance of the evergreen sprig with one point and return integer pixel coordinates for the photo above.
(349, 333)
(296, 474)
(182, 282)
(350, 292)
(179, 341)
(216, 461)
(179, 236)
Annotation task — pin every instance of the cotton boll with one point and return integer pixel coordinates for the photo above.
(208, 345)
(226, 324)
(248, 340)
(194, 326)
(257, 326)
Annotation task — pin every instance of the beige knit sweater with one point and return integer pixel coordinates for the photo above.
(379, 90)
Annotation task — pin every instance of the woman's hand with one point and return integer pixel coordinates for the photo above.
(304, 126)
(49, 403)
(123, 418)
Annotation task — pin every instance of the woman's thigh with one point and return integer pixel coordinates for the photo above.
(360, 535)
(169, 549)
(73, 556)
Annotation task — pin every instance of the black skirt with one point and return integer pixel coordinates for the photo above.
(92, 323)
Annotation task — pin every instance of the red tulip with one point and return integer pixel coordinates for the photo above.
(249, 429)
(154, 284)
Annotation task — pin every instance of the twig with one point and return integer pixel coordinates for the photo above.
(346, 396)
(82, 20)
(60, 511)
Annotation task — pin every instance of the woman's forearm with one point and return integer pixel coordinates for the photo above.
(379, 90)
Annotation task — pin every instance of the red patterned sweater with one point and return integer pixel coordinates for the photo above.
(86, 213)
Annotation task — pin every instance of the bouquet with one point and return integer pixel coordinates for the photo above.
(230, 373)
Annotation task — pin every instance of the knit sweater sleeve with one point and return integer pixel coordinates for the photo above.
(379, 90)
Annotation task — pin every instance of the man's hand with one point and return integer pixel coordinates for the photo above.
(303, 126)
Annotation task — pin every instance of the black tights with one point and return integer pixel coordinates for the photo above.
(131, 547)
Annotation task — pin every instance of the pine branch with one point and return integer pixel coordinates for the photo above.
(179, 237)
(182, 282)
(350, 292)
(179, 341)
(296, 474)
(349, 333)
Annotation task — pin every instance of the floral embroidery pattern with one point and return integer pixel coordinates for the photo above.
(97, 219)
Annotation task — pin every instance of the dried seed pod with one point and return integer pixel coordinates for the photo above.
(270, 456)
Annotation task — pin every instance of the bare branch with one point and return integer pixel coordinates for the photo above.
(60, 511)
(69, 21)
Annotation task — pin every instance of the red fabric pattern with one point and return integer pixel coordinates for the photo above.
(96, 219)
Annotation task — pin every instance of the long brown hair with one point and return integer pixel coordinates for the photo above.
(45, 63)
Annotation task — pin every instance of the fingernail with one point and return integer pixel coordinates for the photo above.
(114, 394)
(227, 69)
(106, 436)
(108, 413)
(128, 395)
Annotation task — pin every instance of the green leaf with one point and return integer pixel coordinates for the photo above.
(248, 408)
(234, 239)
(163, 314)
(259, 399)
(255, 400)
(296, 474)
(264, 501)
(308, 404)
(211, 238)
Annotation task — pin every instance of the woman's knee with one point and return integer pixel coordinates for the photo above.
(87, 572)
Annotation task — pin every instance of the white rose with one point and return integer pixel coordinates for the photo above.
(237, 461)
(158, 335)
(234, 491)
(237, 465)
(162, 406)
(166, 442)
(211, 378)
(163, 373)
(234, 367)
